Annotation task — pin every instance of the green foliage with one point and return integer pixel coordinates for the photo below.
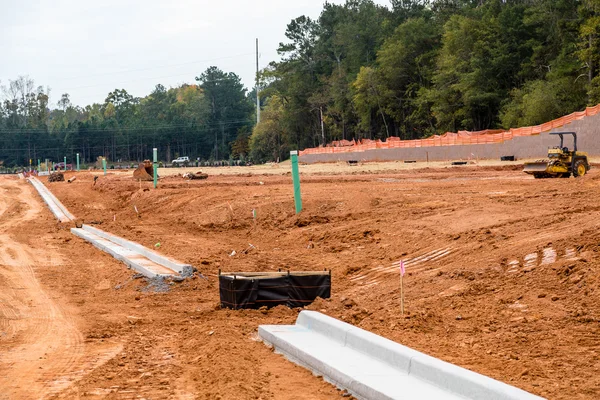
(190, 120)
(535, 103)
(589, 53)
(360, 70)
(240, 147)
(594, 91)
(269, 140)
(406, 66)
(540, 101)
(369, 96)
(428, 67)
(229, 109)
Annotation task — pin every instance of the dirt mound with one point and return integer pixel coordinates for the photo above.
(197, 176)
(56, 177)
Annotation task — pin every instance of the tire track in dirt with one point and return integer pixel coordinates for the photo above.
(415, 264)
(41, 349)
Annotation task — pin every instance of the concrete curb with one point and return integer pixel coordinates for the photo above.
(57, 208)
(372, 367)
(134, 255)
(132, 258)
(183, 269)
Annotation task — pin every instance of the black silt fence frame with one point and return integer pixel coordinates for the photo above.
(290, 289)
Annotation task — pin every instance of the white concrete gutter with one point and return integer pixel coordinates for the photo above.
(144, 251)
(57, 208)
(372, 367)
(136, 256)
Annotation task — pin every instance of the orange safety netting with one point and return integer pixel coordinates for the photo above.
(451, 138)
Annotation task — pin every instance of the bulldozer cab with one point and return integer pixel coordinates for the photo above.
(562, 148)
(562, 152)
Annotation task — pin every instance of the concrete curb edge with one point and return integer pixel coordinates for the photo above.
(184, 269)
(455, 380)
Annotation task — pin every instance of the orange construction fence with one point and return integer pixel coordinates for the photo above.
(451, 138)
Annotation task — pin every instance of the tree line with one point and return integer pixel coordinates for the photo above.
(421, 67)
(360, 70)
(210, 120)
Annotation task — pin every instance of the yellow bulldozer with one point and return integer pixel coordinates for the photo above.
(561, 162)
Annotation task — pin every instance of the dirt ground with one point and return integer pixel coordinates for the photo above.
(502, 278)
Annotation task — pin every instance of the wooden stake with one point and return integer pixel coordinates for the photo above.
(401, 294)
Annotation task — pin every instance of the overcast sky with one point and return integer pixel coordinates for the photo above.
(89, 48)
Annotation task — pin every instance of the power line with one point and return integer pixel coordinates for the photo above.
(95, 96)
(72, 148)
(147, 79)
(198, 128)
(151, 68)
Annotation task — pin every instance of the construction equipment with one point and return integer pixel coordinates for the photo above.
(561, 162)
(144, 172)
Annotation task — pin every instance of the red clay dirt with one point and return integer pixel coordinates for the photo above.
(476, 295)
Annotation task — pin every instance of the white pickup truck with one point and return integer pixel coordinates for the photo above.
(181, 161)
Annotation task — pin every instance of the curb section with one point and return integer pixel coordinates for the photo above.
(137, 257)
(372, 367)
(58, 209)
(134, 255)
(183, 269)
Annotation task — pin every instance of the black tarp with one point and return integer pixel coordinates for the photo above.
(258, 290)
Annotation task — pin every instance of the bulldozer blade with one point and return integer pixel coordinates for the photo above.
(532, 168)
(144, 172)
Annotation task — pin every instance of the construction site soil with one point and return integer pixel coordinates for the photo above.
(502, 278)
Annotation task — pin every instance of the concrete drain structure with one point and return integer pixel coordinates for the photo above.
(372, 367)
(58, 209)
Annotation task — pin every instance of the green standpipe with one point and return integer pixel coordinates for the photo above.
(155, 166)
(65, 164)
(39, 165)
(296, 179)
(77, 162)
(104, 165)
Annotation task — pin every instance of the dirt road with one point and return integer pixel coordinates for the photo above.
(40, 345)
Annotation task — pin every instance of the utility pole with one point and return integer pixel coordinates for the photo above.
(322, 126)
(257, 91)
